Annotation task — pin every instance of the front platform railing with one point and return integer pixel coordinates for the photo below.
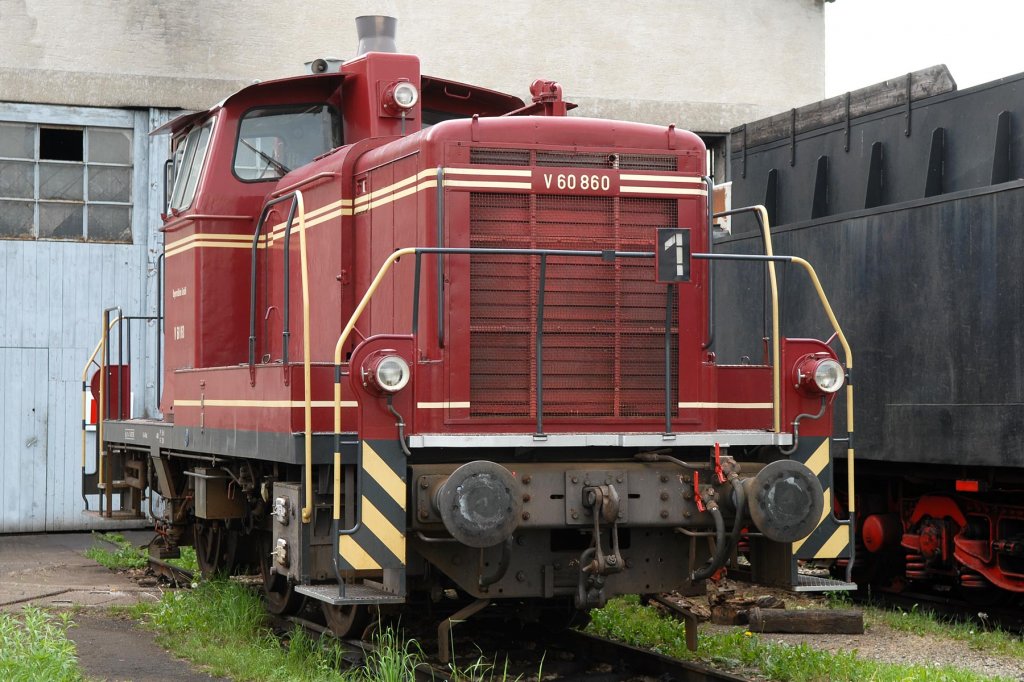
(101, 359)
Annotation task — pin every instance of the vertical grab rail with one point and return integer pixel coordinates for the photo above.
(296, 209)
(848, 359)
(296, 215)
(102, 406)
(101, 452)
(108, 324)
(766, 237)
(539, 343)
(307, 510)
(711, 247)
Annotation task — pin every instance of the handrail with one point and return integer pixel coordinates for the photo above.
(296, 215)
(761, 213)
(179, 222)
(307, 388)
(313, 179)
(102, 350)
(85, 403)
(710, 340)
(847, 352)
(102, 410)
(307, 511)
(297, 206)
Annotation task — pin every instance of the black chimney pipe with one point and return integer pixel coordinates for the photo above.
(376, 34)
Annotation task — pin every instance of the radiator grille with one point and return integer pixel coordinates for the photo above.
(527, 157)
(604, 323)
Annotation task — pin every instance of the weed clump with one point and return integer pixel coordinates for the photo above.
(35, 646)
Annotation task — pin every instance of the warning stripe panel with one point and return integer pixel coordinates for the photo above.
(354, 557)
(379, 542)
(377, 469)
(831, 538)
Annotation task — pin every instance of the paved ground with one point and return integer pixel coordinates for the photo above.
(114, 649)
(50, 570)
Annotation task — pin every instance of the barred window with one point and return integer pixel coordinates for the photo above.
(65, 182)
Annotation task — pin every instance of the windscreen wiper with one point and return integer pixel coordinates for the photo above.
(278, 166)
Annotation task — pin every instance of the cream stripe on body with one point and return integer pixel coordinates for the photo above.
(725, 406)
(217, 402)
(677, 191)
(425, 179)
(661, 178)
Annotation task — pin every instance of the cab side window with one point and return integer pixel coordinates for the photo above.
(274, 140)
(188, 164)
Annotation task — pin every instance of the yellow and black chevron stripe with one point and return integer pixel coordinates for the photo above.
(379, 543)
(832, 537)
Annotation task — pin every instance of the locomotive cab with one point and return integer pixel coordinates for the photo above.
(423, 338)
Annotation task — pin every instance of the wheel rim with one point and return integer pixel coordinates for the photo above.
(215, 547)
(346, 620)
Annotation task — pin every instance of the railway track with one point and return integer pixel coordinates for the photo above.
(568, 656)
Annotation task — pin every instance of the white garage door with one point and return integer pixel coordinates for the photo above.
(23, 439)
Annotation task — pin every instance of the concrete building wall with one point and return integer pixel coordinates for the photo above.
(705, 66)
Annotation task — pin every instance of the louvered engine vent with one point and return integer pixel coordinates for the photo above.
(604, 323)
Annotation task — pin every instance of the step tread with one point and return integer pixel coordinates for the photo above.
(354, 594)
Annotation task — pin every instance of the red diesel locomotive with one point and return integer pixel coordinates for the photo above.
(424, 341)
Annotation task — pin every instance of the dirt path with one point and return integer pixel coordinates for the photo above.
(115, 649)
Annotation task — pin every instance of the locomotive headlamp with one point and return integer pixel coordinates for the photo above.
(386, 372)
(400, 97)
(818, 374)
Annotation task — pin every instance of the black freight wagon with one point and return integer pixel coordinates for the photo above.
(908, 199)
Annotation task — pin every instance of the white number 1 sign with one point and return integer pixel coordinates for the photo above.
(673, 255)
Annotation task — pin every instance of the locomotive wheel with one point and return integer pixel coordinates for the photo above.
(282, 599)
(348, 620)
(216, 547)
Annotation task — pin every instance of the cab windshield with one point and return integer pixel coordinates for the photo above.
(275, 140)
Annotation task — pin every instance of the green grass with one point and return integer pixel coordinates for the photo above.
(626, 620)
(35, 646)
(481, 670)
(125, 556)
(221, 625)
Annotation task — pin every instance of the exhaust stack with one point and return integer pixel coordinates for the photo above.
(376, 34)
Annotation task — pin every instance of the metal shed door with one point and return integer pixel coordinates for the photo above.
(23, 430)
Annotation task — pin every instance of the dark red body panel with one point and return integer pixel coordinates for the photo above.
(526, 182)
